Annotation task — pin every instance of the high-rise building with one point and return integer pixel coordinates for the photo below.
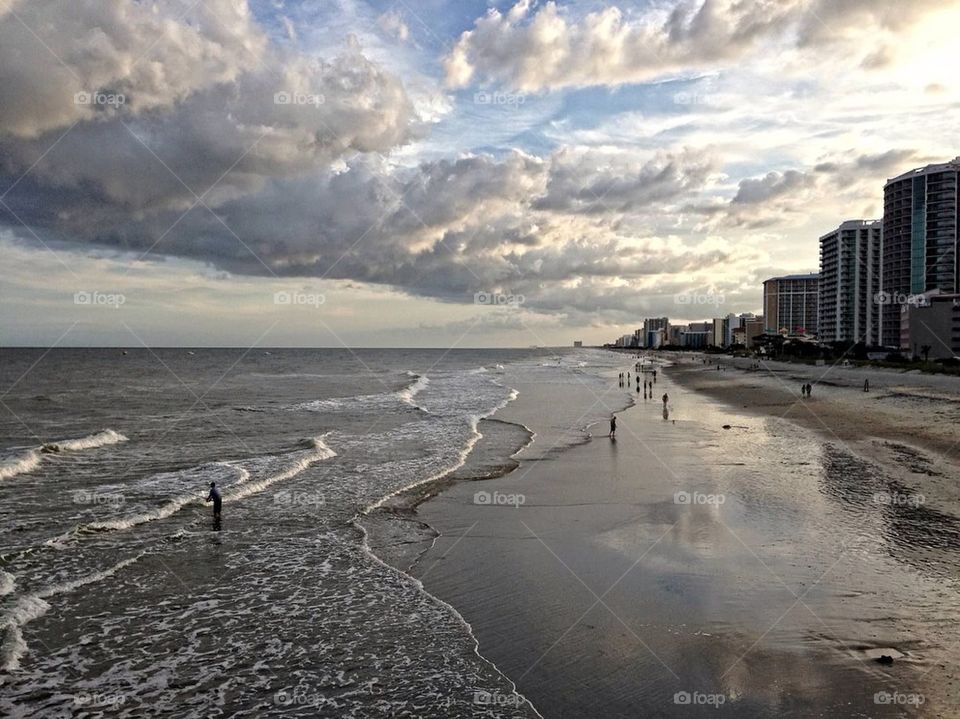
(698, 335)
(790, 303)
(656, 331)
(920, 219)
(850, 269)
(753, 327)
(717, 338)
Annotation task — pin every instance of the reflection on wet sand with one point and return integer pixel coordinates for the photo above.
(747, 570)
(909, 529)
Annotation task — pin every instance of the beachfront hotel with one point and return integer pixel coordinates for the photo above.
(790, 304)
(920, 218)
(850, 267)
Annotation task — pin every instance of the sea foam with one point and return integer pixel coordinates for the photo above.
(33, 606)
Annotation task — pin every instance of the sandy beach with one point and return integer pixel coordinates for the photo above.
(908, 418)
(752, 571)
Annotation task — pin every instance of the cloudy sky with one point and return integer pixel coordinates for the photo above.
(457, 173)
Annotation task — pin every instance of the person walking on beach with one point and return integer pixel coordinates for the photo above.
(803, 390)
(654, 375)
(866, 385)
(217, 500)
(613, 426)
(665, 400)
(809, 389)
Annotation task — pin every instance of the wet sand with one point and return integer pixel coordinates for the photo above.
(905, 407)
(766, 590)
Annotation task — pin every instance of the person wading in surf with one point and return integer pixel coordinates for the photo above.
(217, 500)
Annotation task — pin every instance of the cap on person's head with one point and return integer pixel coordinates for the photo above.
(213, 484)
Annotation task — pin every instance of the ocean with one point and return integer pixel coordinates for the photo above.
(121, 598)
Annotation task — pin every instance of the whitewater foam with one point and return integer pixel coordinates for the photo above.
(25, 461)
(35, 605)
(307, 458)
(419, 384)
(240, 488)
(7, 582)
(364, 401)
(92, 441)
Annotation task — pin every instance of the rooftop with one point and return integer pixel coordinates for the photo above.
(811, 276)
(853, 225)
(953, 165)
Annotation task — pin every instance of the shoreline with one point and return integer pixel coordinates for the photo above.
(391, 529)
(500, 570)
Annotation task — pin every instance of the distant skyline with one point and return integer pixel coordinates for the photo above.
(438, 174)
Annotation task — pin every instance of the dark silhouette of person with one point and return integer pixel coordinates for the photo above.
(217, 500)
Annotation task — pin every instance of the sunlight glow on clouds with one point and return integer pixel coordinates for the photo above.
(597, 161)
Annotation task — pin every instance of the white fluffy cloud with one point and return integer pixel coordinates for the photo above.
(591, 222)
(210, 109)
(153, 54)
(550, 47)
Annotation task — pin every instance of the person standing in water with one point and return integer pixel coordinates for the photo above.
(613, 426)
(217, 500)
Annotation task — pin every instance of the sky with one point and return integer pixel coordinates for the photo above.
(442, 174)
